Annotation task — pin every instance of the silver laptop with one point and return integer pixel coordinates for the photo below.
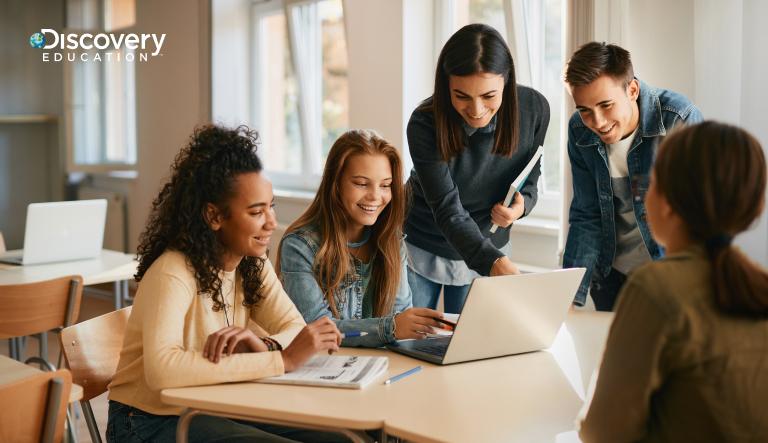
(503, 315)
(61, 231)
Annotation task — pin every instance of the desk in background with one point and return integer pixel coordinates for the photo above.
(110, 267)
(521, 398)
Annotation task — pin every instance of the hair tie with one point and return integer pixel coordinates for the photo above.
(720, 241)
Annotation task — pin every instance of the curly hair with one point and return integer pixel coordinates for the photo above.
(203, 172)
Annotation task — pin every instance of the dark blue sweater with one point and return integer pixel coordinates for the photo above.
(450, 214)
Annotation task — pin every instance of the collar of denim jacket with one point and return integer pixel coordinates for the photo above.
(650, 123)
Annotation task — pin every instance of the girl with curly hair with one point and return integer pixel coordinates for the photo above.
(687, 354)
(345, 257)
(203, 278)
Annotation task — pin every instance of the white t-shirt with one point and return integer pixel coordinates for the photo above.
(630, 248)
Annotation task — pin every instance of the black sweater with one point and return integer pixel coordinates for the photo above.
(451, 208)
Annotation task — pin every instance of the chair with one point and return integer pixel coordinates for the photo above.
(36, 308)
(34, 407)
(92, 351)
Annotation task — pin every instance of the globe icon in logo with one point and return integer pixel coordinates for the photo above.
(37, 40)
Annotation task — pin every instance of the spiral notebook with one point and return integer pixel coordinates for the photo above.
(336, 371)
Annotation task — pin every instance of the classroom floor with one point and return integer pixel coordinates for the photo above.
(91, 306)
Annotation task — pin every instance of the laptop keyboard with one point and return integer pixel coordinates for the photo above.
(436, 346)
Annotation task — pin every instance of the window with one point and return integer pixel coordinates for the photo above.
(100, 92)
(539, 61)
(297, 72)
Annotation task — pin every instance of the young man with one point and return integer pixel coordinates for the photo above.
(612, 138)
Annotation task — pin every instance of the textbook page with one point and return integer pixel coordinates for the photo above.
(336, 371)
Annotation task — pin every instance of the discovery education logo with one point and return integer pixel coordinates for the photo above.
(80, 47)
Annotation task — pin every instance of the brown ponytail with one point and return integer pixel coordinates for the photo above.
(714, 176)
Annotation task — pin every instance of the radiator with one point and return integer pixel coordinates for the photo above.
(115, 231)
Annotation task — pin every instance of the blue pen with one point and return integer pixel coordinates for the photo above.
(353, 334)
(403, 375)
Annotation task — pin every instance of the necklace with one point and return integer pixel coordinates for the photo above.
(364, 240)
(227, 292)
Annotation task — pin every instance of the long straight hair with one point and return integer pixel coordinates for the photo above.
(333, 261)
(714, 175)
(473, 49)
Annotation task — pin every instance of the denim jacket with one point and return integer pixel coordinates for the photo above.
(297, 259)
(591, 239)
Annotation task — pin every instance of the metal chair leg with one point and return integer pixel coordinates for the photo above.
(90, 420)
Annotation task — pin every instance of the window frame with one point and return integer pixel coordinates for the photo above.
(100, 14)
(310, 174)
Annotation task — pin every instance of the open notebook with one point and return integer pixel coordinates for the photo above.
(336, 371)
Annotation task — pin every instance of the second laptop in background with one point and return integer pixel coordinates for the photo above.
(61, 231)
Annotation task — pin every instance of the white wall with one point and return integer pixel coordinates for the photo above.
(754, 106)
(173, 95)
(31, 161)
(375, 44)
(713, 52)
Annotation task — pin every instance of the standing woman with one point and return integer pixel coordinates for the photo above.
(468, 142)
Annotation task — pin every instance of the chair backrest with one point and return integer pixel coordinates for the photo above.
(92, 350)
(34, 408)
(32, 308)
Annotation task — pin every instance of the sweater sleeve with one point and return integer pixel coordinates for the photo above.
(168, 363)
(442, 196)
(276, 313)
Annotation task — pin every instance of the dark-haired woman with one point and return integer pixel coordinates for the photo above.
(203, 276)
(468, 142)
(687, 354)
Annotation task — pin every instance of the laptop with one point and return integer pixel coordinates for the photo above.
(61, 231)
(504, 315)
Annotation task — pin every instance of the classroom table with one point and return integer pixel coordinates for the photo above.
(528, 397)
(109, 267)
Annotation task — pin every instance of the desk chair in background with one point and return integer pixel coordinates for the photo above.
(36, 308)
(34, 407)
(92, 351)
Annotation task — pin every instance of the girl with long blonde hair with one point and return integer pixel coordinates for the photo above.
(345, 257)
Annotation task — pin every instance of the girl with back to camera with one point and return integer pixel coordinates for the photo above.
(468, 142)
(687, 354)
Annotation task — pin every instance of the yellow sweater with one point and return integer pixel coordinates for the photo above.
(168, 327)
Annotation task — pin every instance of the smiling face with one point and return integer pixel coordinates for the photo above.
(366, 189)
(247, 225)
(476, 97)
(608, 108)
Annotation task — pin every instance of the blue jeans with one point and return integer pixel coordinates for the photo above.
(132, 425)
(425, 293)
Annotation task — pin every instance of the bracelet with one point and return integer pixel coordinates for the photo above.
(394, 326)
(272, 344)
